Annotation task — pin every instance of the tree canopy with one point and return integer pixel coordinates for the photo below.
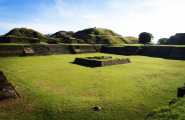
(162, 41)
(145, 37)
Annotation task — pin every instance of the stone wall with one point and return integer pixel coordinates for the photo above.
(6, 89)
(31, 50)
(127, 50)
(152, 51)
(59, 49)
(97, 63)
(84, 49)
(178, 52)
(18, 39)
(41, 50)
(11, 51)
(28, 51)
(156, 51)
(98, 48)
(49, 49)
(164, 51)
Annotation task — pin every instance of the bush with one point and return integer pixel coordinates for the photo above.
(53, 41)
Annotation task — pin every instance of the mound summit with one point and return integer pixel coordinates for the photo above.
(89, 36)
(21, 35)
(100, 36)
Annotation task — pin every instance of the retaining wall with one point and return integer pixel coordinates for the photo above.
(59, 49)
(153, 51)
(41, 50)
(178, 52)
(84, 49)
(96, 63)
(6, 51)
(156, 51)
(127, 50)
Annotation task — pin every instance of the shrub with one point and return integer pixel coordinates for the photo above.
(53, 41)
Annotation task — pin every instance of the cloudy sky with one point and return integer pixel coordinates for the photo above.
(162, 18)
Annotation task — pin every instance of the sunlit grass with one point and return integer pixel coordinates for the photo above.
(63, 90)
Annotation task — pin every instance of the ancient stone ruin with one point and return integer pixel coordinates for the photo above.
(6, 89)
(178, 39)
(181, 91)
(99, 61)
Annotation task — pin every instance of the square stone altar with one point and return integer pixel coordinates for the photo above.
(100, 61)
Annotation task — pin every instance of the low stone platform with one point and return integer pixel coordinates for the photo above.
(6, 89)
(100, 61)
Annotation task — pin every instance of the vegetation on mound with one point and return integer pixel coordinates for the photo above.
(132, 38)
(24, 32)
(100, 35)
(22, 43)
(98, 31)
(174, 111)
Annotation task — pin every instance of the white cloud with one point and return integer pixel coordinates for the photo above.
(63, 8)
(38, 20)
(161, 18)
(93, 17)
(130, 18)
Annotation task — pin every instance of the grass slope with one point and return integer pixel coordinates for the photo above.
(175, 111)
(51, 87)
(24, 32)
(105, 34)
(132, 38)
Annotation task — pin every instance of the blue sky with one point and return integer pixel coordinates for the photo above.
(162, 18)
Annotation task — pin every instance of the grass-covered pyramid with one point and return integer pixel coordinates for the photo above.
(65, 37)
(22, 35)
(100, 36)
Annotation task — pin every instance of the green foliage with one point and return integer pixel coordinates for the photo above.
(162, 41)
(98, 31)
(80, 41)
(68, 91)
(174, 111)
(132, 38)
(100, 35)
(24, 32)
(145, 37)
(150, 43)
(53, 41)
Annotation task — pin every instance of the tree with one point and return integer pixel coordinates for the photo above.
(145, 37)
(162, 41)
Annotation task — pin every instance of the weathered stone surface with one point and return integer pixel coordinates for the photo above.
(127, 50)
(178, 52)
(178, 39)
(84, 49)
(6, 51)
(181, 92)
(156, 51)
(6, 89)
(97, 108)
(41, 50)
(28, 51)
(94, 62)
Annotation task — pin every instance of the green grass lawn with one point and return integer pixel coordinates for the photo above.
(52, 87)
